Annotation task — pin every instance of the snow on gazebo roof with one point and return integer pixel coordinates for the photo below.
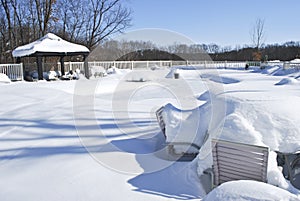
(50, 43)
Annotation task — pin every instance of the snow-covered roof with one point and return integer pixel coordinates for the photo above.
(49, 43)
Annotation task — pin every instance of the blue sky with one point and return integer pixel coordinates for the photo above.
(224, 22)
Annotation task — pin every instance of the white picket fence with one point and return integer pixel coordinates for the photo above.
(13, 71)
(135, 65)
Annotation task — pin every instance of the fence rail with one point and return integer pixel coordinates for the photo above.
(135, 65)
(13, 71)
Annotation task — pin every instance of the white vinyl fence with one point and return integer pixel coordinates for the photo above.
(13, 71)
(289, 65)
(135, 65)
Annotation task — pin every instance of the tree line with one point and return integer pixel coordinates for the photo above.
(141, 50)
(86, 22)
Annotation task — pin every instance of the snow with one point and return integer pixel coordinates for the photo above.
(98, 139)
(287, 81)
(295, 61)
(249, 191)
(4, 78)
(49, 43)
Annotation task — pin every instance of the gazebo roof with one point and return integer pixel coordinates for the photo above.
(50, 45)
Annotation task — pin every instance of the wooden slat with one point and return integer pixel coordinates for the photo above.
(242, 173)
(243, 153)
(235, 161)
(246, 170)
(239, 177)
(239, 146)
(239, 158)
(160, 120)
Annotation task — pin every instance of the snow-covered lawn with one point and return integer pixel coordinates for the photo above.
(98, 139)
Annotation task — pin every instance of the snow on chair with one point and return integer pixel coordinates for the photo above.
(183, 132)
(237, 161)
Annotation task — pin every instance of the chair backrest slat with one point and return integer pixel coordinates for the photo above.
(236, 161)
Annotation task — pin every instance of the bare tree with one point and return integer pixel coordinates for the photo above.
(7, 9)
(105, 17)
(88, 22)
(71, 20)
(44, 11)
(257, 33)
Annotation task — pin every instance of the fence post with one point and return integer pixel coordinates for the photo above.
(132, 65)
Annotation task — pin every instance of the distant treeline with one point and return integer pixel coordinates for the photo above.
(139, 50)
(286, 52)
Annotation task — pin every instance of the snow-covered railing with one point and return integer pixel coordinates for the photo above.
(72, 66)
(130, 64)
(219, 64)
(134, 65)
(13, 71)
(288, 65)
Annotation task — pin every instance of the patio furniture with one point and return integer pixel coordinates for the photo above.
(291, 167)
(183, 143)
(237, 161)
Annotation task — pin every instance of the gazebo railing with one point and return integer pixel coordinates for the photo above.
(13, 71)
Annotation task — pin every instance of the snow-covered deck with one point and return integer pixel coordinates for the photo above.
(97, 139)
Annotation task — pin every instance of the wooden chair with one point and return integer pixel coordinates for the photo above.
(171, 146)
(160, 120)
(237, 161)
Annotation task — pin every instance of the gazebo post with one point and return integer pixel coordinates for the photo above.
(39, 67)
(18, 60)
(86, 67)
(62, 66)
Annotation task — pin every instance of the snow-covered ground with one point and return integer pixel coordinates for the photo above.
(98, 139)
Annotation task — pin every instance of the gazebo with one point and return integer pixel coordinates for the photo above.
(51, 46)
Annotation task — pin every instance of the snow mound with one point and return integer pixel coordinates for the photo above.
(284, 72)
(184, 72)
(220, 79)
(206, 96)
(98, 71)
(249, 191)
(295, 61)
(186, 126)
(224, 80)
(287, 81)
(271, 70)
(117, 71)
(171, 73)
(138, 77)
(4, 78)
